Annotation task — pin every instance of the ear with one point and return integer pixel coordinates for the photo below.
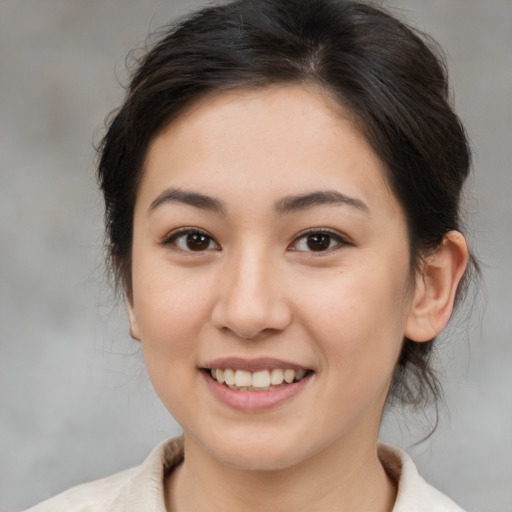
(134, 327)
(436, 286)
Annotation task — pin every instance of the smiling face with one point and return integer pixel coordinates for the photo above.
(266, 240)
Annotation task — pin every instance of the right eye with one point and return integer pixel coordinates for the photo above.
(192, 240)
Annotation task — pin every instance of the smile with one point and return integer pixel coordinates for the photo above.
(262, 380)
(252, 385)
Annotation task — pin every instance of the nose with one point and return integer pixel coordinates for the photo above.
(251, 300)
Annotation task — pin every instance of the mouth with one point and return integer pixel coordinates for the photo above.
(261, 380)
(252, 385)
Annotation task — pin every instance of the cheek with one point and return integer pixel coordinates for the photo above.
(171, 312)
(357, 316)
(171, 308)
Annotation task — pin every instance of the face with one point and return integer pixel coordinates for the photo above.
(269, 248)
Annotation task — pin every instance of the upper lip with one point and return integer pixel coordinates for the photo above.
(252, 365)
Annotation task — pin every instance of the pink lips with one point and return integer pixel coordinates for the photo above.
(254, 400)
(252, 365)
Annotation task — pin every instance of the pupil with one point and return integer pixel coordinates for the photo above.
(318, 242)
(197, 242)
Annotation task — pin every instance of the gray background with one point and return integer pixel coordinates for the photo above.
(75, 402)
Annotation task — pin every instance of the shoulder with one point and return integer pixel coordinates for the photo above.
(138, 488)
(414, 493)
(89, 497)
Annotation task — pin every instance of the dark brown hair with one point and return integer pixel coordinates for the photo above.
(384, 73)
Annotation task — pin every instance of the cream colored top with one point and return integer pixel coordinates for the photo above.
(141, 488)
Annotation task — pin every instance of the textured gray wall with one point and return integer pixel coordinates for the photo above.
(75, 402)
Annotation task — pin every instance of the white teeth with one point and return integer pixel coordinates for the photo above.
(229, 377)
(276, 377)
(219, 375)
(289, 375)
(243, 378)
(261, 380)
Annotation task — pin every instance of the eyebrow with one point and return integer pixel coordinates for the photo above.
(323, 197)
(176, 195)
(283, 206)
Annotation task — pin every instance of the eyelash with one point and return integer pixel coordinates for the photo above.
(173, 238)
(339, 240)
(182, 233)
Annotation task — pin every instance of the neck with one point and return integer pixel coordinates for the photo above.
(345, 478)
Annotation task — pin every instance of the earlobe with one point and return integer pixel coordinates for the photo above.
(436, 286)
(134, 328)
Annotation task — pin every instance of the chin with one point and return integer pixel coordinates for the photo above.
(257, 452)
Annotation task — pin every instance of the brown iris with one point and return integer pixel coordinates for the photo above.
(197, 241)
(318, 242)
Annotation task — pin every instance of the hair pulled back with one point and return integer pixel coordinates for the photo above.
(377, 68)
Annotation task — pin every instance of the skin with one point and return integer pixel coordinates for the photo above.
(256, 289)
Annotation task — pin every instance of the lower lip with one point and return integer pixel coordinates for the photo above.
(255, 400)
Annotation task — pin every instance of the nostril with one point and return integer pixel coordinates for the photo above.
(250, 307)
(255, 335)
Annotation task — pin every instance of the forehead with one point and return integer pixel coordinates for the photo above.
(264, 143)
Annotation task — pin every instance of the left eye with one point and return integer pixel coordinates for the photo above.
(192, 241)
(318, 241)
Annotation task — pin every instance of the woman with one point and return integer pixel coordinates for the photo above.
(282, 190)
